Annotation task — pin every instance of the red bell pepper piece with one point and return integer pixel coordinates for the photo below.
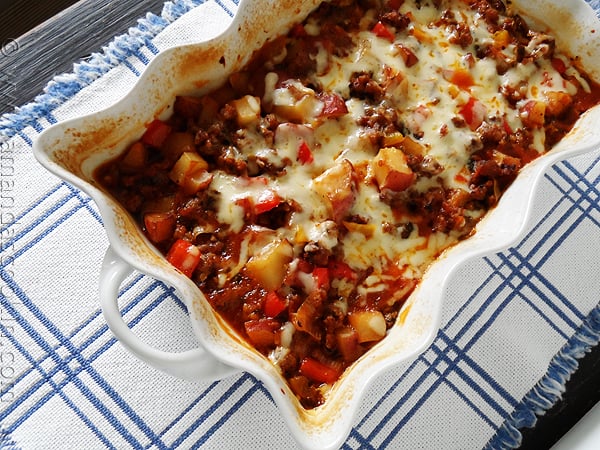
(395, 4)
(559, 65)
(333, 105)
(266, 201)
(473, 112)
(262, 332)
(380, 30)
(156, 133)
(274, 304)
(317, 371)
(305, 156)
(321, 277)
(341, 270)
(185, 256)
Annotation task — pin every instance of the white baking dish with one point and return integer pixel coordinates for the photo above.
(73, 149)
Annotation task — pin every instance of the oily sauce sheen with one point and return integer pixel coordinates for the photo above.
(307, 196)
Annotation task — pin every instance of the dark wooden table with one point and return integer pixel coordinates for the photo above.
(43, 39)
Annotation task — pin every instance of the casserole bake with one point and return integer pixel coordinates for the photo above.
(420, 313)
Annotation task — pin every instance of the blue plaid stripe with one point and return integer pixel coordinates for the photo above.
(61, 364)
(439, 367)
(227, 7)
(43, 219)
(552, 307)
(86, 364)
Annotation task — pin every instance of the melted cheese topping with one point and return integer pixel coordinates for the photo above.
(307, 196)
(426, 101)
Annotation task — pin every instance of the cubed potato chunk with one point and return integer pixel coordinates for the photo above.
(296, 103)
(136, 156)
(369, 325)
(367, 229)
(190, 172)
(391, 170)
(247, 109)
(159, 226)
(410, 147)
(269, 266)
(300, 111)
(533, 114)
(337, 185)
(347, 342)
(558, 102)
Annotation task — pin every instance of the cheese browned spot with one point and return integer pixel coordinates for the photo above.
(320, 182)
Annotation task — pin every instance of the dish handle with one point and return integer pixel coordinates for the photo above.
(196, 364)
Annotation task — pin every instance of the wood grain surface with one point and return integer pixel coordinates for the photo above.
(29, 61)
(20, 16)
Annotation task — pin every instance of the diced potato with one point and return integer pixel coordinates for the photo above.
(247, 109)
(269, 267)
(367, 229)
(159, 226)
(260, 238)
(501, 39)
(369, 325)
(393, 139)
(347, 342)
(296, 103)
(178, 143)
(300, 236)
(533, 114)
(190, 172)
(558, 102)
(411, 147)
(391, 170)
(136, 156)
(337, 185)
(303, 110)
(187, 163)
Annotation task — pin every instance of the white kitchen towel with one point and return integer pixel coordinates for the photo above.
(514, 323)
